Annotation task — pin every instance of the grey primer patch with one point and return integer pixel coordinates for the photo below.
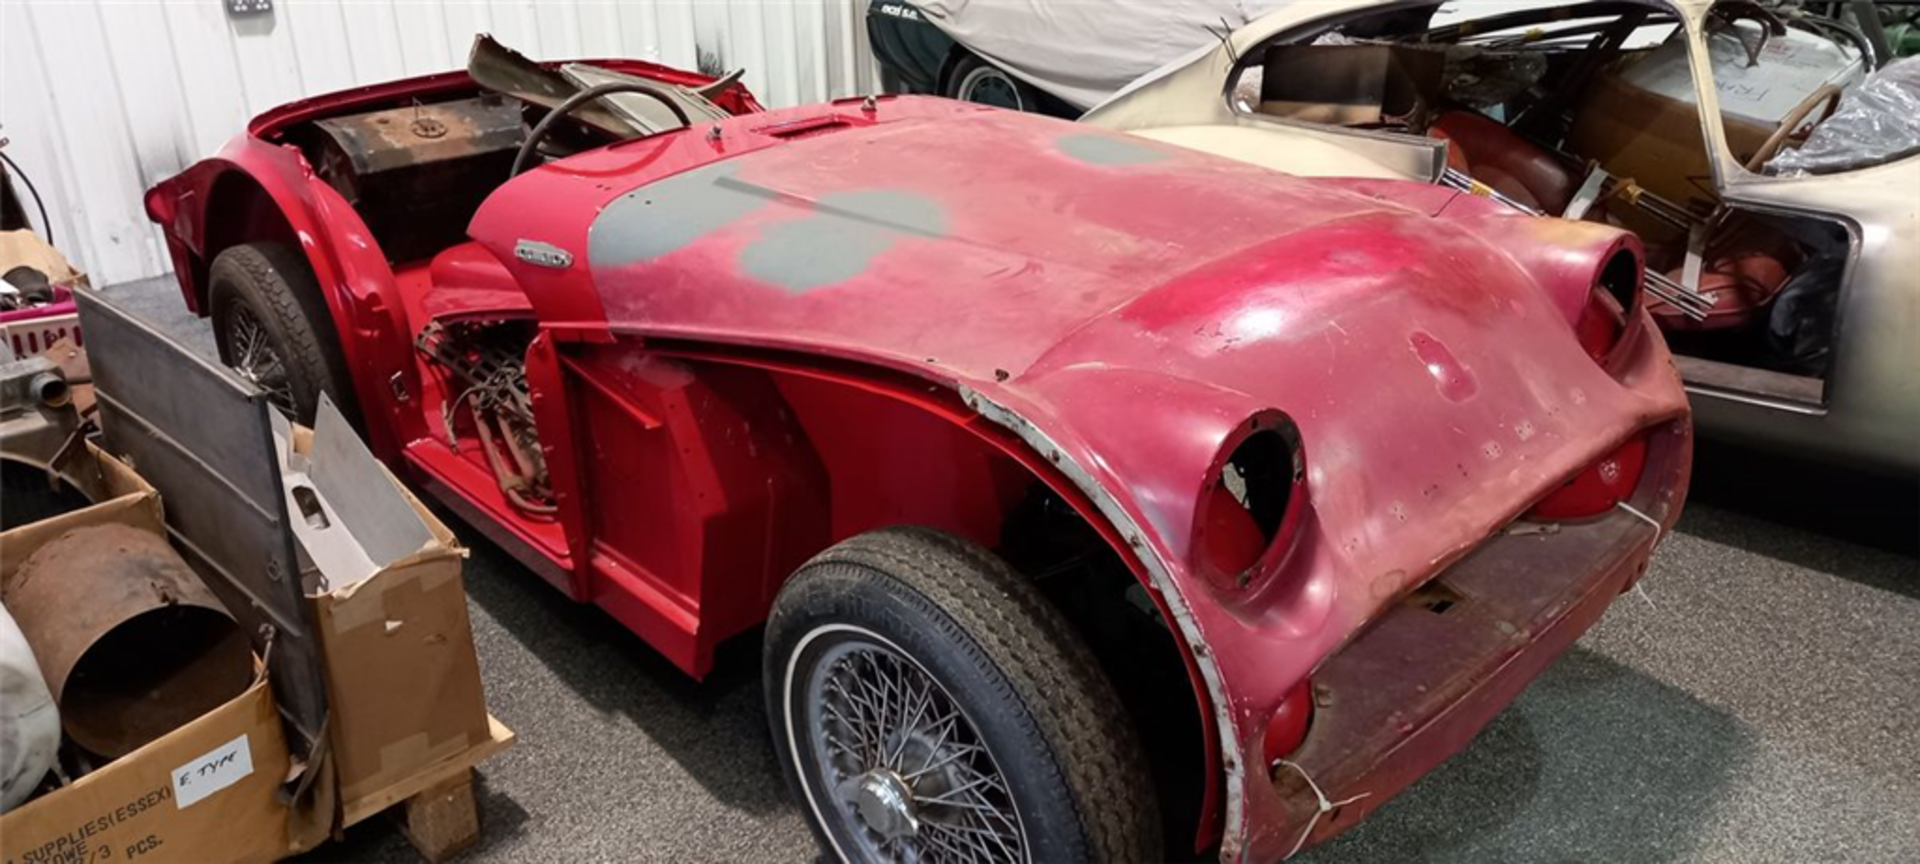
(839, 238)
(666, 216)
(1097, 149)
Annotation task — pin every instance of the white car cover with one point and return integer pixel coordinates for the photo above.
(29, 722)
(1085, 50)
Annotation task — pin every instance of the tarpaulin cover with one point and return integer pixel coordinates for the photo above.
(1084, 51)
(1877, 122)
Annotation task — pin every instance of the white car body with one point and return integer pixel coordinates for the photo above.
(1869, 410)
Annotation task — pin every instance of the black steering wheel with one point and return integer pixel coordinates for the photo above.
(545, 125)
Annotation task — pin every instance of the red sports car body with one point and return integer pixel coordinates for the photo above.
(747, 340)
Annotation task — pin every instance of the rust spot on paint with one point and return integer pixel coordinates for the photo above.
(1387, 584)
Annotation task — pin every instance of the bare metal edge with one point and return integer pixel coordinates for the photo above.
(1162, 582)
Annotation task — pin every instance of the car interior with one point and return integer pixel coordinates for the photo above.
(417, 172)
(1588, 111)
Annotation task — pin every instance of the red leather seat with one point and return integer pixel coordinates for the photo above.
(1513, 166)
(1745, 266)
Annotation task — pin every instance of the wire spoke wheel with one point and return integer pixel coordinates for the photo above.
(929, 706)
(274, 330)
(257, 360)
(989, 86)
(899, 763)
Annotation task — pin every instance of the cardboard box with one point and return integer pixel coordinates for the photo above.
(406, 710)
(388, 640)
(1757, 91)
(206, 792)
(403, 683)
(1653, 139)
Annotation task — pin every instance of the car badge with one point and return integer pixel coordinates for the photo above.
(543, 254)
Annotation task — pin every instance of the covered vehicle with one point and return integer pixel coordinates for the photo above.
(1785, 279)
(1118, 501)
(1037, 55)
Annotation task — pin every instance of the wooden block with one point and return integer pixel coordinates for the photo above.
(442, 821)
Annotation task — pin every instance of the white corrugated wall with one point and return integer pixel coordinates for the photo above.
(103, 98)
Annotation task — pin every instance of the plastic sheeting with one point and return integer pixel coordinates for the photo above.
(1877, 122)
(1083, 52)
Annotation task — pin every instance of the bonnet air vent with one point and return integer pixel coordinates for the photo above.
(807, 128)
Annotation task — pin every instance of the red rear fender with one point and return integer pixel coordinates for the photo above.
(253, 192)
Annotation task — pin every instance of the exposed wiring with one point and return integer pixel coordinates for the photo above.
(46, 226)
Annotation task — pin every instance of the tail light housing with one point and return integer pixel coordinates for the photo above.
(1288, 726)
(1603, 324)
(1597, 488)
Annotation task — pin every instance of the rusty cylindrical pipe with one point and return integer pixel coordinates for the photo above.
(50, 390)
(132, 644)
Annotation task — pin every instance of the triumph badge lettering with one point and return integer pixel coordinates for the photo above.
(543, 254)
